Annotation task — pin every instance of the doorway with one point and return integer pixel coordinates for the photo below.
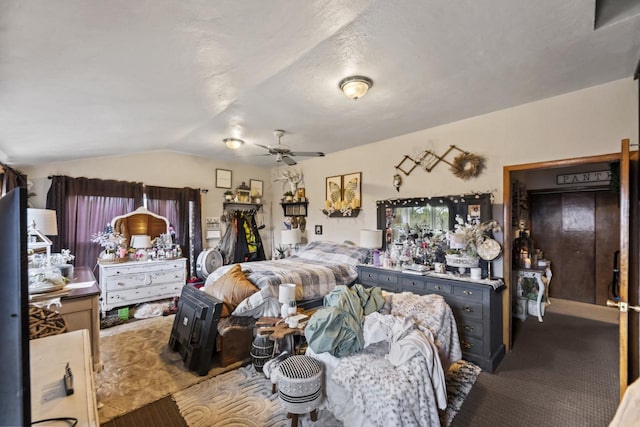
(579, 233)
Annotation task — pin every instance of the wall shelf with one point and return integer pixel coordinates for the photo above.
(352, 213)
(294, 208)
(237, 206)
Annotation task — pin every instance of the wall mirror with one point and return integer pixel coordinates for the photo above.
(416, 218)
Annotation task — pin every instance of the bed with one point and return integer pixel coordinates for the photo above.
(316, 270)
(384, 384)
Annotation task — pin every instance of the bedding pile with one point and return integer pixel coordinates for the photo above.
(398, 378)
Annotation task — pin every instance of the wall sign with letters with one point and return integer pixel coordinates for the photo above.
(583, 177)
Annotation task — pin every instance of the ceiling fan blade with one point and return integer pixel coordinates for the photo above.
(265, 147)
(308, 154)
(288, 160)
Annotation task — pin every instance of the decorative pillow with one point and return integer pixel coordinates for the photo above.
(261, 304)
(232, 288)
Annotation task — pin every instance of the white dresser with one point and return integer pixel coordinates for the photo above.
(135, 282)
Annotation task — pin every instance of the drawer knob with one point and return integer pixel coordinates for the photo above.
(468, 309)
(438, 287)
(468, 328)
(414, 284)
(388, 279)
(467, 345)
(120, 284)
(369, 275)
(467, 292)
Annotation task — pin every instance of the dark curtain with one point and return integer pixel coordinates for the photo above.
(84, 206)
(182, 207)
(10, 179)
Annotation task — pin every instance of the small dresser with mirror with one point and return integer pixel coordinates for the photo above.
(133, 282)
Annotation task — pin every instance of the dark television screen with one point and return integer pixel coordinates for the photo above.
(15, 398)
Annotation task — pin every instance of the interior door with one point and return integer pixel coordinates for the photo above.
(628, 267)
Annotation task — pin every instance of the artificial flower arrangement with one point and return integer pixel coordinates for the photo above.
(467, 237)
(109, 240)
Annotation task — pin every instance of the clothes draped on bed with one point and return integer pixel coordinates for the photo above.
(398, 378)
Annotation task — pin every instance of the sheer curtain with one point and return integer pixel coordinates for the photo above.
(83, 207)
(182, 207)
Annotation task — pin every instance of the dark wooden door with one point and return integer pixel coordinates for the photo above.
(579, 233)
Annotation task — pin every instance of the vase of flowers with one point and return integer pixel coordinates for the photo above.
(465, 240)
(111, 241)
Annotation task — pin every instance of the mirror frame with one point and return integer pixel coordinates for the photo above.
(458, 205)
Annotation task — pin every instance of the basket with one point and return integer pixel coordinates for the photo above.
(112, 260)
(44, 322)
(464, 261)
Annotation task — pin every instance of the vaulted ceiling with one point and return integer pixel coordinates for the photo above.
(86, 78)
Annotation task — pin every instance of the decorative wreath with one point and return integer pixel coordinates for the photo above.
(467, 165)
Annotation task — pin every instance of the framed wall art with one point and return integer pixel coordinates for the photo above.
(333, 188)
(223, 178)
(257, 187)
(352, 189)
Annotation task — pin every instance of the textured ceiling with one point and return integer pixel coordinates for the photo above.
(85, 78)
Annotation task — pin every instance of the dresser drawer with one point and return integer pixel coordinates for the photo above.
(368, 277)
(131, 296)
(127, 281)
(388, 281)
(467, 292)
(440, 288)
(466, 309)
(469, 327)
(472, 345)
(413, 284)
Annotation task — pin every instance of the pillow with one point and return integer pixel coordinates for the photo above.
(232, 288)
(261, 304)
(333, 252)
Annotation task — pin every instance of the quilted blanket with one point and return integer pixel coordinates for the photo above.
(403, 395)
(316, 270)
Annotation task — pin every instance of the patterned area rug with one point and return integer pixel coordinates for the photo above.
(243, 398)
(139, 367)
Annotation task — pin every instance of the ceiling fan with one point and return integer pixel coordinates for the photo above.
(283, 153)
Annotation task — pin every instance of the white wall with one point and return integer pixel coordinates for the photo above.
(160, 168)
(583, 123)
(589, 122)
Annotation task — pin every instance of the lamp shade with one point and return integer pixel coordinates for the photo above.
(140, 241)
(290, 237)
(371, 239)
(286, 293)
(43, 220)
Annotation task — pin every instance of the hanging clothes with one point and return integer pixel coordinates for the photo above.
(241, 241)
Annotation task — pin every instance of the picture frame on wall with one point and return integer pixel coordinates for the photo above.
(352, 188)
(333, 190)
(257, 187)
(223, 178)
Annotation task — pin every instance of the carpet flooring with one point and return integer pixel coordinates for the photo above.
(139, 367)
(136, 389)
(561, 372)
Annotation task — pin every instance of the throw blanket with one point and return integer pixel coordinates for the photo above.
(408, 394)
(337, 328)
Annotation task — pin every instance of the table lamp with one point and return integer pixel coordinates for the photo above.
(141, 242)
(372, 239)
(286, 294)
(42, 223)
(290, 237)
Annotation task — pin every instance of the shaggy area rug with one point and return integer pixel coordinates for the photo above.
(243, 398)
(139, 367)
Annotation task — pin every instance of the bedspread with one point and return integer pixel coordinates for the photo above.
(316, 278)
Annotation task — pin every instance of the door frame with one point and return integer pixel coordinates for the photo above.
(507, 321)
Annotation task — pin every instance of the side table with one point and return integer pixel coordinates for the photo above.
(80, 309)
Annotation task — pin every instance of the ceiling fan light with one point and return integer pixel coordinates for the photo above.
(233, 143)
(355, 87)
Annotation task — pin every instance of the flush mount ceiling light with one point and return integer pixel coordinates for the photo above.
(355, 87)
(233, 143)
